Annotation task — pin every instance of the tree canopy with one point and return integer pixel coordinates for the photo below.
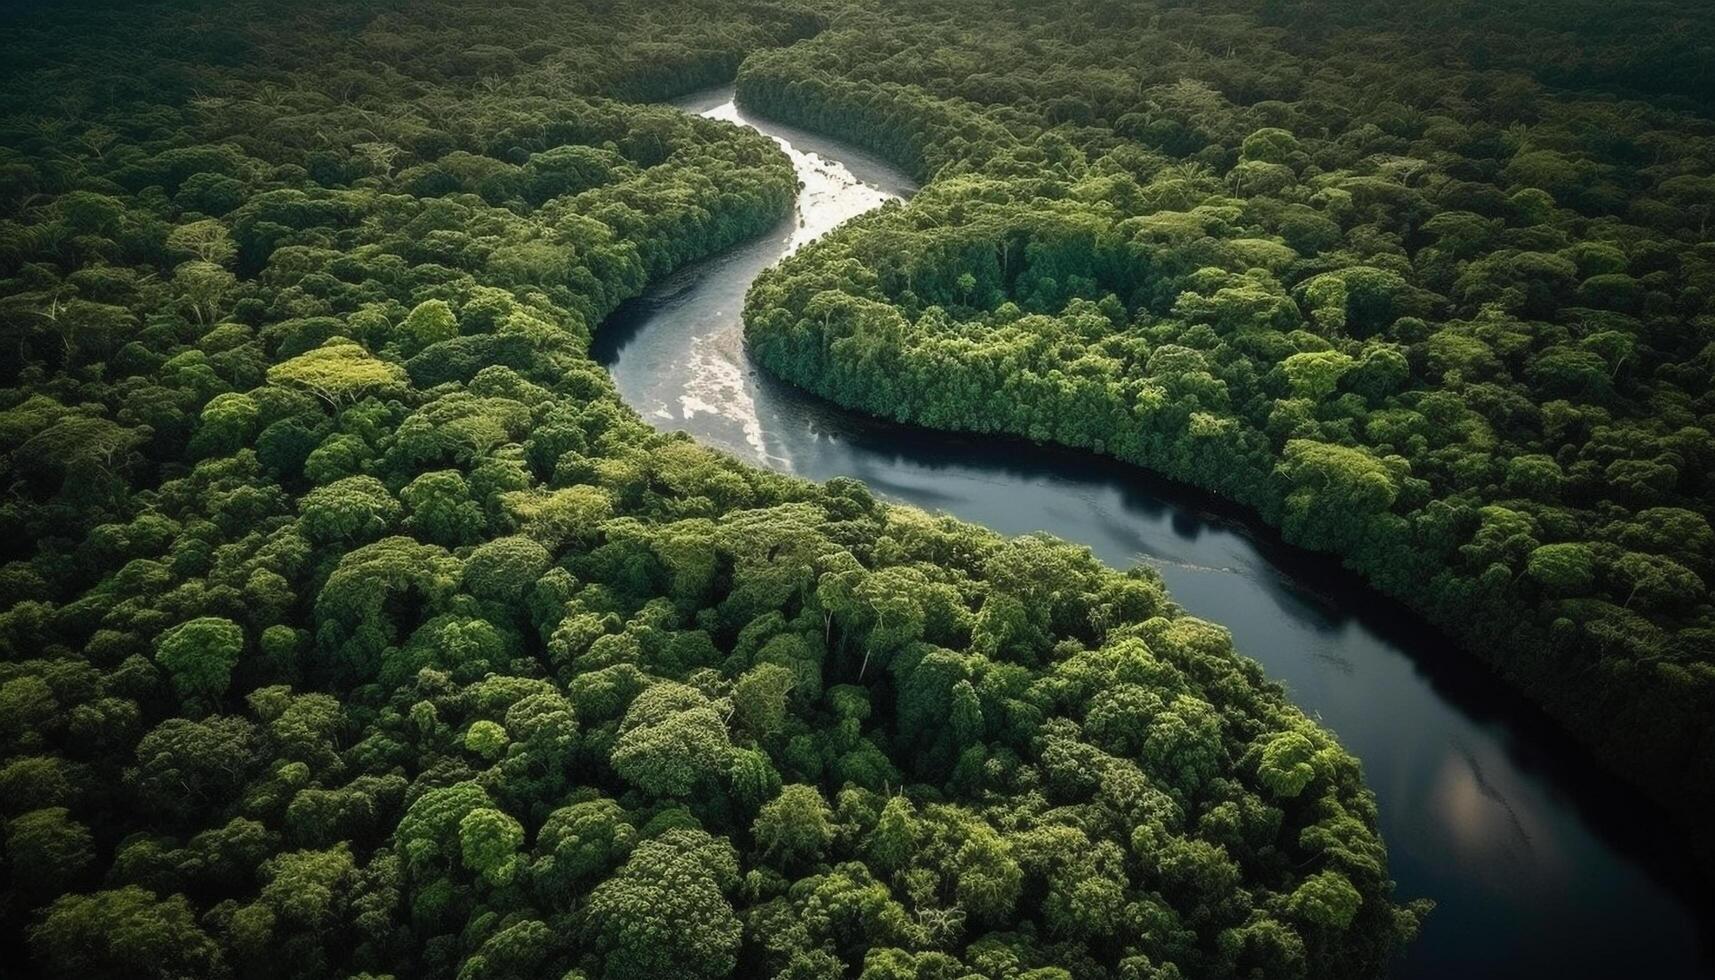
(1447, 317)
(353, 626)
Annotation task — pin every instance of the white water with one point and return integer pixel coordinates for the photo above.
(1541, 866)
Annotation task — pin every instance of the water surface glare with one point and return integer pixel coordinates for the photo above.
(1539, 865)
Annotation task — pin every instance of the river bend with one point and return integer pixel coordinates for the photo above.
(1540, 866)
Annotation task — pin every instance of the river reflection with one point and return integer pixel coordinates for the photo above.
(1540, 866)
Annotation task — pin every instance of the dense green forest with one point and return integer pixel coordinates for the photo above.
(1431, 286)
(353, 627)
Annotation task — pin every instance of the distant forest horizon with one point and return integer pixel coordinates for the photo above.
(354, 624)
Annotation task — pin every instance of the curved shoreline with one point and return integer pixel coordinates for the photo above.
(1546, 855)
(1666, 757)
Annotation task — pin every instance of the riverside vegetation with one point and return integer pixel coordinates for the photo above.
(353, 627)
(1433, 290)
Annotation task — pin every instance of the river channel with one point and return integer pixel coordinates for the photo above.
(1540, 865)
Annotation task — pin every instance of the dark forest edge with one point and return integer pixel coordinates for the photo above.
(353, 626)
(1471, 356)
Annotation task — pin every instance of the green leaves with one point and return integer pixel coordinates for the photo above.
(354, 509)
(429, 322)
(120, 931)
(356, 607)
(200, 655)
(490, 839)
(581, 843)
(429, 835)
(1133, 255)
(1183, 746)
(47, 850)
(339, 373)
(1285, 769)
(184, 766)
(670, 741)
(487, 739)
(1330, 489)
(1315, 374)
(759, 699)
(986, 877)
(1325, 899)
(664, 913)
(503, 569)
(1563, 569)
(894, 840)
(308, 888)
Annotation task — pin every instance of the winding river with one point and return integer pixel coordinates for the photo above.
(1540, 866)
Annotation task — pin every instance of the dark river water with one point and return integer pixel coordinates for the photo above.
(1540, 866)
